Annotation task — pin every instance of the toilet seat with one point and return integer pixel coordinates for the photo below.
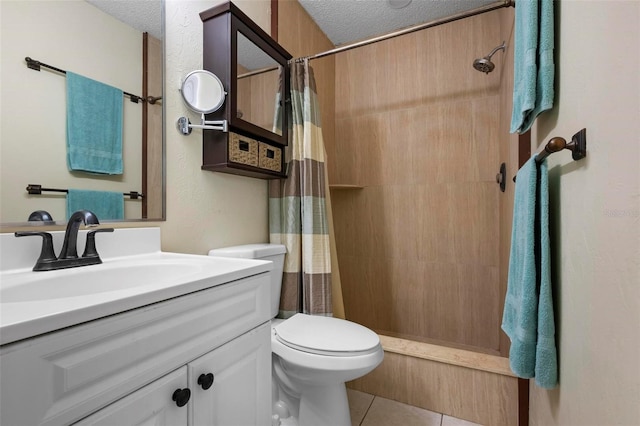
(326, 336)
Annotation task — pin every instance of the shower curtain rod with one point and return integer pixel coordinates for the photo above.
(488, 8)
(256, 72)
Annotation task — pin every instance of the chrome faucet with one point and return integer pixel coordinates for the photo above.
(69, 255)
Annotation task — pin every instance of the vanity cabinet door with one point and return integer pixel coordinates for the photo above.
(240, 393)
(151, 405)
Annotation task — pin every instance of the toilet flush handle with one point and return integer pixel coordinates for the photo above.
(205, 380)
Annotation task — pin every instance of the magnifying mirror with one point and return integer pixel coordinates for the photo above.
(202, 91)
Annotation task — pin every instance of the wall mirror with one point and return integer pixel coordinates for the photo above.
(89, 38)
(258, 85)
(202, 91)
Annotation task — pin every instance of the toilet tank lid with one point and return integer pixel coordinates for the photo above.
(249, 251)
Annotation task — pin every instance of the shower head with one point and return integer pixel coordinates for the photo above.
(484, 64)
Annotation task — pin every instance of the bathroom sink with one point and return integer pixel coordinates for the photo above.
(32, 303)
(80, 282)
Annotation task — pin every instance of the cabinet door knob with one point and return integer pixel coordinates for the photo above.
(205, 380)
(181, 396)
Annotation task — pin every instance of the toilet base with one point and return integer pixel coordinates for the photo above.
(318, 406)
(325, 405)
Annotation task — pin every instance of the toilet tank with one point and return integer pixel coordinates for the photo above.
(272, 252)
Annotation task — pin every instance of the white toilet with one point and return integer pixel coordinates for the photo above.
(312, 356)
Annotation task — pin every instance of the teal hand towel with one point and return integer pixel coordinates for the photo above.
(94, 126)
(106, 205)
(534, 70)
(528, 317)
(546, 370)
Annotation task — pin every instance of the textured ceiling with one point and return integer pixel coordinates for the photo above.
(143, 15)
(345, 21)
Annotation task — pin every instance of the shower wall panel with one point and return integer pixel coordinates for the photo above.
(256, 97)
(418, 128)
(510, 155)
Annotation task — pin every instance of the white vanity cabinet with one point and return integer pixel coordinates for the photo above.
(147, 406)
(124, 369)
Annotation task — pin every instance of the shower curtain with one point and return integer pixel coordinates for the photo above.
(297, 206)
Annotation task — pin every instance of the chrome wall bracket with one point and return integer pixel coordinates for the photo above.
(185, 127)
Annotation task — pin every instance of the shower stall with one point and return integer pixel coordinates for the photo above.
(418, 136)
(422, 229)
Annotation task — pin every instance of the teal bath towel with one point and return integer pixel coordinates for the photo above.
(534, 71)
(106, 205)
(94, 126)
(528, 317)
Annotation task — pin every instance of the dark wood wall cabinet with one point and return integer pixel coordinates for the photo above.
(253, 70)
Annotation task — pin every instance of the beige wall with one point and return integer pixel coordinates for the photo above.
(78, 37)
(205, 210)
(595, 211)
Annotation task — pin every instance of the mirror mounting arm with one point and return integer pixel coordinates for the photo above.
(185, 126)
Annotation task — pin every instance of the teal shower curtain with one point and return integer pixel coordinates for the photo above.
(297, 205)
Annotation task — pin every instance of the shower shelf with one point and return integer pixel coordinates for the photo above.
(345, 186)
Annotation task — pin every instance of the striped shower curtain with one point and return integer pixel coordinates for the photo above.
(297, 209)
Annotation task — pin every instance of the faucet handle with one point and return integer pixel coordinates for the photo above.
(90, 246)
(46, 253)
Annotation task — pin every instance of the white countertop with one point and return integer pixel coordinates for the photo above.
(24, 317)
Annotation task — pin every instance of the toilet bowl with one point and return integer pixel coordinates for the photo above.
(312, 356)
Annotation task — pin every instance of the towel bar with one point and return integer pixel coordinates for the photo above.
(34, 189)
(36, 65)
(577, 146)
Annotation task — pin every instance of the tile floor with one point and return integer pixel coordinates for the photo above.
(370, 410)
